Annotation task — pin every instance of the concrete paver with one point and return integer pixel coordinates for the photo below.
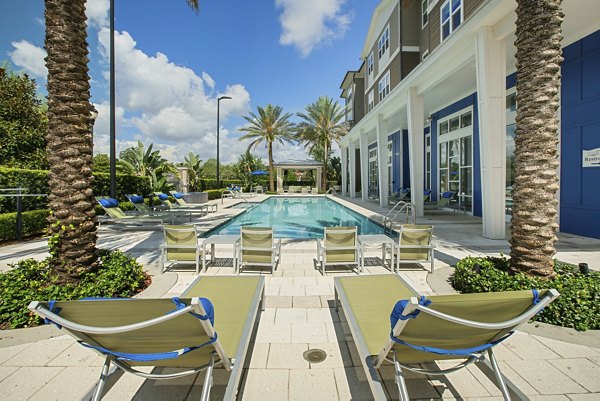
(299, 316)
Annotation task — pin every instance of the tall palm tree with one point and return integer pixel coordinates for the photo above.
(323, 123)
(534, 211)
(270, 126)
(69, 140)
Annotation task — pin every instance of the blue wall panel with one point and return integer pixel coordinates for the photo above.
(405, 160)
(580, 130)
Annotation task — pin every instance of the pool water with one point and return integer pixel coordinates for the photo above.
(298, 217)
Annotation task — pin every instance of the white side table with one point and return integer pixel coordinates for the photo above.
(219, 240)
(376, 240)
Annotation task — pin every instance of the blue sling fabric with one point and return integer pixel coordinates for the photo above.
(136, 199)
(178, 195)
(163, 197)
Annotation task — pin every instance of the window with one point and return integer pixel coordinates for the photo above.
(371, 101)
(511, 102)
(373, 190)
(450, 17)
(384, 42)
(428, 161)
(424, 5)
(456, 123)
(390, 153)
(384, 86)
(370, 63)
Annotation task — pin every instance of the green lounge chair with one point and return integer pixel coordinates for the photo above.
(441, 203)
(401, 195)
(181, 246)
(339, 246)
(315, 191)
(191, 333)
(423, 330)
(181, 202)
(166, 203)
(116, 215)
(414, 245)
(143, 209)
(280, 191)
(257, 247)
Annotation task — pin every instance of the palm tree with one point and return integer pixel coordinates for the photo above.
(69, 140)
(146, 163)
(323, 123)
(269, 126)
(534, 212)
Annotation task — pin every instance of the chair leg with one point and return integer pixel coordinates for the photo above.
(498, 374)
(400, 381)
(102, 381)
(208, 379)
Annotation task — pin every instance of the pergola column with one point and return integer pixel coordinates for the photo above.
(280, 178)
(491, 94)
(382, 161)
(319, 180)
(364, 166)
(416, 146)
(352, 157)
(344, 170)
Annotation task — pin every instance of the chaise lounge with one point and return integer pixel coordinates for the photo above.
(390, 323)
(191, 333)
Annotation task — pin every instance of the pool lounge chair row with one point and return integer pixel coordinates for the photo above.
(210, 327)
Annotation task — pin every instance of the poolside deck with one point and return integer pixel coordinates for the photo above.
(42, 364)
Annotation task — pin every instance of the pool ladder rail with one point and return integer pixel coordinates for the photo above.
(407, 208)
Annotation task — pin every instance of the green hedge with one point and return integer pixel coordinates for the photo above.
(34, 222)
(207, 184)
(119, 275)
(577, 307)
(36, 182)
(214, 194)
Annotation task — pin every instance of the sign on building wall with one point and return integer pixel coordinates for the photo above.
(591, 158)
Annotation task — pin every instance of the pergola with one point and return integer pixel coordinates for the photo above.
(298, 165)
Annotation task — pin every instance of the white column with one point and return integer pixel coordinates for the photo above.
(382, 160)
(416, 146)
(491, 95)
(344, 170)
(364, 166)
(319, 180)
(352, 156)
(279, 178)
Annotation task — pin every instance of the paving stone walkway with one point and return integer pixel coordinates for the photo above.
(43, 364)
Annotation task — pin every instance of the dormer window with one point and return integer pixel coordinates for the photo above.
(384, 42)
(451, 15)
(370, 64)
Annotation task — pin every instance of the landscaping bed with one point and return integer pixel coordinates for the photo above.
(577, 307)
(119, 275)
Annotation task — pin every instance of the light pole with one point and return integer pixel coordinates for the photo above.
(218, 106)
(112, 140)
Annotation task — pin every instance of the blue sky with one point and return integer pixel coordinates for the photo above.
(172, 64)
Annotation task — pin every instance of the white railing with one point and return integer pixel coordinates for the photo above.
(407, 208)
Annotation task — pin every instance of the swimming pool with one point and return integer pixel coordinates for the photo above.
(298, 217)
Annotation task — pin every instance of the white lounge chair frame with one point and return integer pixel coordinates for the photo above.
(430, 248)
(275, 250)
(109, 377)
(165, 247)
(490, 368)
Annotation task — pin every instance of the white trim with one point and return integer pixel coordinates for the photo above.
(411, 49)
(424, 55)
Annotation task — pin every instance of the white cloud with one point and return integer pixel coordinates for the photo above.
(29, 57)
(97, 13)
(170, 105)
(308, 24)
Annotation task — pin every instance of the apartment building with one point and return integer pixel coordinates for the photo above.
(433, 107)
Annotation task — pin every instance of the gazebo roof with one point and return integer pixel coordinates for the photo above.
(299, 164)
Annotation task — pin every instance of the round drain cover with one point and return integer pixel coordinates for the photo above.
(315, 355)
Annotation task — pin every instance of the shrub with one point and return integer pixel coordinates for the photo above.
(577, 307)
(34, 222)
(214, 194)
(119, 275)
(36, 182)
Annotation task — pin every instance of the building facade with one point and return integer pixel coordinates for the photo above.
(438, 109)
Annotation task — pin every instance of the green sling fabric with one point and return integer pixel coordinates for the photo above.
(257, 237)
(180, 235)
(420, 237)
(335, 239)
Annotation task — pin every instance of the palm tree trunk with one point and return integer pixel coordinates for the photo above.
(539, 58)
(325, 159)
(70, 143)
(271, 178)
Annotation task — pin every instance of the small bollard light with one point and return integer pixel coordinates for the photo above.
(584, 268)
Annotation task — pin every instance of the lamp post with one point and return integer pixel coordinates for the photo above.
(218, 106)
(112, 141)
